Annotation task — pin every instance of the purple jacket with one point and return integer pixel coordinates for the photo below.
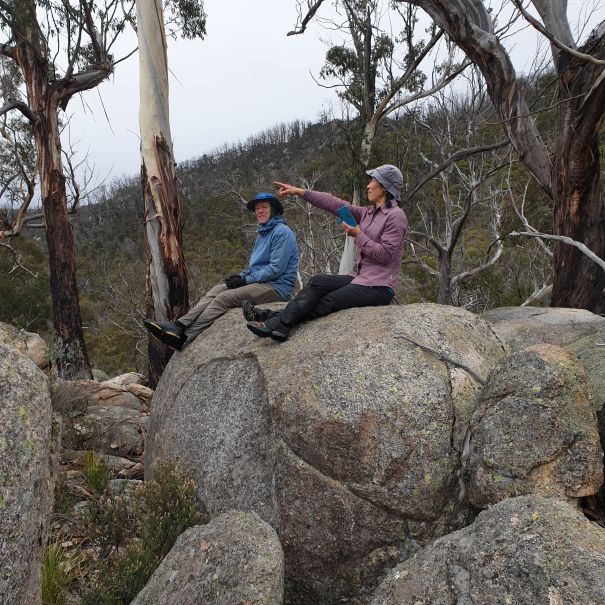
(379, 246)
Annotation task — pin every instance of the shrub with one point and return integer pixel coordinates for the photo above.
(165, 507)
(96, 473)
(64, 499)
(59, 573)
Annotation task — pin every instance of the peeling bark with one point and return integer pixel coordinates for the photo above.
(578, 193)
(167, 292)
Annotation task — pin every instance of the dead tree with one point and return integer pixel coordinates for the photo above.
(466, 186)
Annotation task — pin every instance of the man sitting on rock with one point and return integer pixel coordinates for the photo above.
(269, 277)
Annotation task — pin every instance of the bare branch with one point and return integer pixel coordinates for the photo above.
(492, 261)
(17, 259)
(553, 39)
(442, 83)
(437, 244)
(566, 240)
(459, 155)
(305, 21)
(538, 294)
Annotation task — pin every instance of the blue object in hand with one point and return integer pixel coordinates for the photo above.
(346, 216)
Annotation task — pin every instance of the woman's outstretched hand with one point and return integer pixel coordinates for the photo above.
(283, 189)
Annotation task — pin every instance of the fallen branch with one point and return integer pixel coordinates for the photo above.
(482, 381)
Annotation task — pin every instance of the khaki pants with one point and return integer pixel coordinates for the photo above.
(219, 300)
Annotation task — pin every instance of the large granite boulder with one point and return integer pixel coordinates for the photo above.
(32, 345)
(521, 327)
(25, 476)
(344, 438)
(523, 551)
(577, 330)
(534, 431)
(236, 558)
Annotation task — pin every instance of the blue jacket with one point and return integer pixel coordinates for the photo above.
(274, 258)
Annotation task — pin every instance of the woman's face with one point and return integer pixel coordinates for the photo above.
(376, 193)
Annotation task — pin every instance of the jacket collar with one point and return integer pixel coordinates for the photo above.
(271, 223)
(372, 208)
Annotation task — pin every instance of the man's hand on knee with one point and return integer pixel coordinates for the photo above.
(235, 281)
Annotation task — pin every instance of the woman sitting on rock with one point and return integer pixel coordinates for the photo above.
(379, 235)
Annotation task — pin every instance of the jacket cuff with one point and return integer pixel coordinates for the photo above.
(361, 238)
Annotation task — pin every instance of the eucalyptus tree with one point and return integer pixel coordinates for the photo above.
(377, 71)
(568, 171)
(167, 293)
(62, 48)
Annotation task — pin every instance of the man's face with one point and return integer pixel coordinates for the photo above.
(263, 212)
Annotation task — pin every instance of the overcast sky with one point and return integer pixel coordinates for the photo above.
(244, 77)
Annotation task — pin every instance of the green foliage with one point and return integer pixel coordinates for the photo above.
(59, 573)
(189, 17)
(109, 521)
(96, 472)
(63, 497)
(24, 299)
(165, 507)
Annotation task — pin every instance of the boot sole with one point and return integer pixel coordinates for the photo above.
(170, 339)
(258, 331)
(248, 311)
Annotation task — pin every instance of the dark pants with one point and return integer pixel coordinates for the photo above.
(325, 294)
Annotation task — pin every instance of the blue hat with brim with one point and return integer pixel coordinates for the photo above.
(266, 197)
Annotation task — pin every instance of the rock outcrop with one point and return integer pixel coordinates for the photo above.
(534, 431)
(107, 416)
(30, 344)
(345, 438)
(236, 558)
(527, 551)
(25, 476)
(521, 327)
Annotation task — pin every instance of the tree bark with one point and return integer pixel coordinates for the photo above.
(167, 292)
(43, 104)
(578, 193)
(444, 295)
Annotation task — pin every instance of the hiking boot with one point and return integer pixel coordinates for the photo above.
(252, 313)
(260, 328)
(167, 333)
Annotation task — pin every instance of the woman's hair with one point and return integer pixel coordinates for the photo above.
(389, 199)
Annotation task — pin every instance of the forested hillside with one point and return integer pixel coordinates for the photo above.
(219, 231)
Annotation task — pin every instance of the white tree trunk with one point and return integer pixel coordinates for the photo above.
(167, 294)
(347, 261)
